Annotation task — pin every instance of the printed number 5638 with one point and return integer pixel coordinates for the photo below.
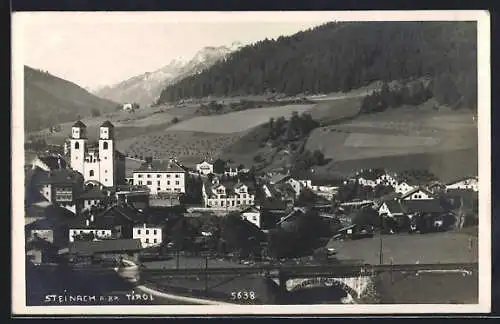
(243, 295)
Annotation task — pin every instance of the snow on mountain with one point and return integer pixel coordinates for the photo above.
(145, 88)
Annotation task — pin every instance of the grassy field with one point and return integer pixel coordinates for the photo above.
(327, 111)
(238, 121)
(395, 132)
(448, 247)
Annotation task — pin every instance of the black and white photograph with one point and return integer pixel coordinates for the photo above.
(185, 163)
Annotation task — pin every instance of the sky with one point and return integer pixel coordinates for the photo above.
(97, 52)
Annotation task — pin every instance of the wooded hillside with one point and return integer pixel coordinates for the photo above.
(341, 57)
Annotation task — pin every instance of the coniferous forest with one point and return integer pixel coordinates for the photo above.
(341, 56)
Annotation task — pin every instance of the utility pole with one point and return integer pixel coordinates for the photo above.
(206, 273)
(381, 248)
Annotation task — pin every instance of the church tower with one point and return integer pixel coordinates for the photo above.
(107, 154)
(78, 144)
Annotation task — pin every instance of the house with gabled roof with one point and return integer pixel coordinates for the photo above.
(60, 187)
(228, 193)
(204, 167)
(419, 193)
(252, 215)
(464, 183)
(391, 208)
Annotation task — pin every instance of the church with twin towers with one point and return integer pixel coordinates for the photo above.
(100, 164)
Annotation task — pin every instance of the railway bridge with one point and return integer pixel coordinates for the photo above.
(355, 280)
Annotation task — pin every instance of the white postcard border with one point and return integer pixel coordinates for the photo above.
(484, 157)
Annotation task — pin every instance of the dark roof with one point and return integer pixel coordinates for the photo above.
(124, 212)
(273, 204)
(327, 182)
(79, 124)
(93, 193)
(159, 166)
(461, 179)
(371, 174)
(91, 247)
(53, 161)
(107, 123)
(230, 185)
(394, 206)
(60, 176)
(425, 206)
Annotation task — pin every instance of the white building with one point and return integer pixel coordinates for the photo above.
(161, 177)
(205, 168)
(470, 183)
(403, 188)
(418, 194)
(90, 228)
(149, 235)
(230, 194)
(252, 214)
(391, 208)
(127, 107)
(103, 164)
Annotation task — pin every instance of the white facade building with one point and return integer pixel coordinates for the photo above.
(160, 177)
(252, 215)
(99, 165)
(149, 235)
(403, 188)
(418, 194)
(205, 168)
(228, 195)
(470, 183)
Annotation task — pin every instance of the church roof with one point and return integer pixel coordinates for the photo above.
(107, 123)
(79, 124)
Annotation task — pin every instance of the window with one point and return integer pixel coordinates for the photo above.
(168, 175)
(221, 203)
(168, 183)
(154, 232)
(158, 189)
(238, 202)
(155, 240)
(77, 145)
(105, 157)
(105, 171)
(105, 146)
(147, 240)
(158, 176)
(140, 183)
(103, 232)
(177, 176)
(149, 176)
(148, 182)
(254, 218)
(244, 196)
(177, 182)
(139, 232)
(91, 173)
(139, 176)
(105, 180)
(158, 182)
(147, 232)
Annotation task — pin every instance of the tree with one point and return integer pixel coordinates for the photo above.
(219, 166)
